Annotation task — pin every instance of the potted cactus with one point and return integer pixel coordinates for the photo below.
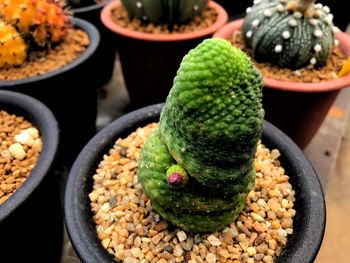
(33, 213)
(90, 10)
(47, 54)
(303, 42)
(157, 30)
(182, 190)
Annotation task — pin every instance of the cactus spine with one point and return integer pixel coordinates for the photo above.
(40, 21)
(169, 12)
(13, 50)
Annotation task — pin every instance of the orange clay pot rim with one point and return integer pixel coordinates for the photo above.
(324, 86)
(106, 17)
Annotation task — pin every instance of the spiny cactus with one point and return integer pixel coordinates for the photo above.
(41, 21)
(169, 12)
(13, 50)
(197, 168)
(289, 33)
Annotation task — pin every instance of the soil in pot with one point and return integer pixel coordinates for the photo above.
(30, 201)
(20, 147)
(131, 230)
(121, 18)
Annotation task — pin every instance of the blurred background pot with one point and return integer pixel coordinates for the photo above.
(309, 222)
(31, 221)
(297, 108)
(150, 61)
(105, 53)
(70, 93)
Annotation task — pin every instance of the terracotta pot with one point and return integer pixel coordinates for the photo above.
(31, 220)
(105, 53)
(150, 61)
(308, 224)
(70, 93)
(297, 108)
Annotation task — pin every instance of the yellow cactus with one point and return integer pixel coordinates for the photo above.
(13, 49)
(42, 21)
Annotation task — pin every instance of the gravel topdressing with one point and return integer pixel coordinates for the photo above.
(20, 147)
(132, 231)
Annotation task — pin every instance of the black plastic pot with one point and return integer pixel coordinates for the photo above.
(309, 222)
(105, 53)
(70, 93)
(31, 220)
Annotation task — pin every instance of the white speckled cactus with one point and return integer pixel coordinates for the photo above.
(168, 12)
(289, 33)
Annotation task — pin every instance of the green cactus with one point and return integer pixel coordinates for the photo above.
(289, 33)
(197, 168)
(169, 12)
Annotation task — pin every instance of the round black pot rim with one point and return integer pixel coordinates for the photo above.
(89, 8)
(309, 222)
(46, 123)
(94, 37)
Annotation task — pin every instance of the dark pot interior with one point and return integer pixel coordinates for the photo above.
(70, 93)
(105, 53)
(31, 220)
(309, 222)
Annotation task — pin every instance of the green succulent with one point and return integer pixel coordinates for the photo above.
(289, 33)
(169, 12)
(206, 141)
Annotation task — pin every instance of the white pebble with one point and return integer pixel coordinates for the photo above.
(210, 258)
(37, 145)
(138, 4)
(6, 154)
(24, 138)
(286, 34)
(34, 132)
(105, 207)
(317, 48)
(248, 10)
(297, 73)
(292, 23)
(278, 48)
(255, 23)
(267, 13)
(336, 42)
(213, 240)
(17, 151)
(181, 235)
(249, 34)
(195, 7)
(256, 2)
(318, 33)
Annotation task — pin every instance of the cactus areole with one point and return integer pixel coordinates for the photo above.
(168, 12)
(289, 33)
(206, 141)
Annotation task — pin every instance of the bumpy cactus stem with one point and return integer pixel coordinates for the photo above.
(209, 129)
(169, 12)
